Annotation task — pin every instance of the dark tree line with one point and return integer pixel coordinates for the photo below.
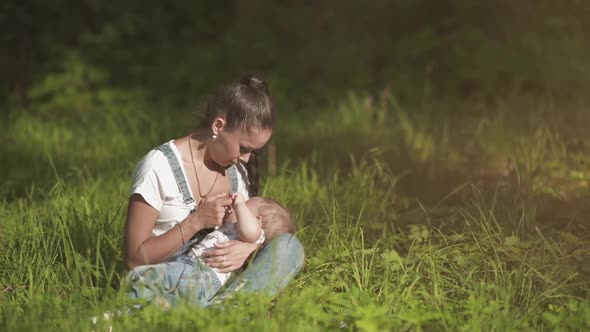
(312, 48)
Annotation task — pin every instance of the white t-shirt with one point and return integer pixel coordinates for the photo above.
(154, 181)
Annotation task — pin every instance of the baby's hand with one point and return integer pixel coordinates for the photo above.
(237, 198)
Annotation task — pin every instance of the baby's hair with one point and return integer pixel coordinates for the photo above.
(276, 218)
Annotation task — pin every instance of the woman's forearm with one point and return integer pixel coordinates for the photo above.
(144, 248)
(156, 249)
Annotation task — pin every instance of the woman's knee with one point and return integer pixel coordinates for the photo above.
(287, 247)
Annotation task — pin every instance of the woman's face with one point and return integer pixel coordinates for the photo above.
(236, 145)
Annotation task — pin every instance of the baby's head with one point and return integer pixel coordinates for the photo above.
(274, 217)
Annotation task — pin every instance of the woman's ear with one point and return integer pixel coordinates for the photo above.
(217, 125)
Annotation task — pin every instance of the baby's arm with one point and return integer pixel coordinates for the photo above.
(248, 225)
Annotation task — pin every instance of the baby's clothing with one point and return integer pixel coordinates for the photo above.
(222, 234)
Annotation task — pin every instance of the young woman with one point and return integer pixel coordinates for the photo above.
(182, 188)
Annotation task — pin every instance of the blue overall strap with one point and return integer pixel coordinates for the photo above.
(178, 175)
(232, 172)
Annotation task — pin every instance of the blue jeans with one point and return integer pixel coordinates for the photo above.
(186, 279)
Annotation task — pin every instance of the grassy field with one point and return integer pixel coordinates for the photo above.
(443, 215)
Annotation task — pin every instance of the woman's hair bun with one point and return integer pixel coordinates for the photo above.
(256, 82)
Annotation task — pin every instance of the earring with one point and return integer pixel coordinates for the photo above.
(214, 137)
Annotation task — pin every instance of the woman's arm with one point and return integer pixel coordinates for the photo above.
(142, 248)
(248, 225)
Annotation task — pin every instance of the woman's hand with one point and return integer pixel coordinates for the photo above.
(229, 256)
(211, 211)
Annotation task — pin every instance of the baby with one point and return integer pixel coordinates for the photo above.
(257, 220)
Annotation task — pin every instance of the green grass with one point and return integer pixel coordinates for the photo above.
(419, 221)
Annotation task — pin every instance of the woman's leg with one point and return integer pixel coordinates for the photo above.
(180, 279)
(273, 267)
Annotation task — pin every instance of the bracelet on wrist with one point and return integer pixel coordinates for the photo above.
(181, 233)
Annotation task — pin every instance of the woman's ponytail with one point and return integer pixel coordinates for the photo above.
(252, 169)
(255, 82)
